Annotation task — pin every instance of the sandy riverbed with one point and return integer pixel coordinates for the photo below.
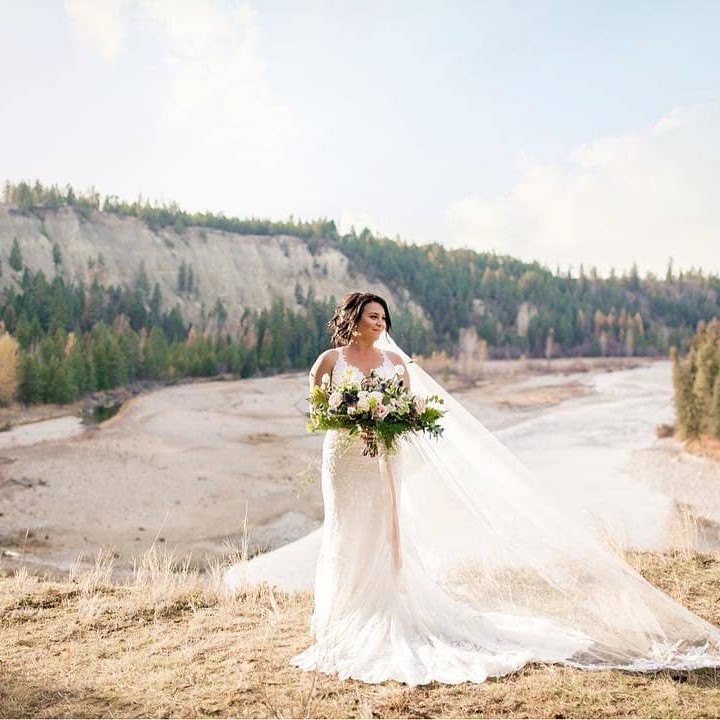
(182, 465)
(179, 465)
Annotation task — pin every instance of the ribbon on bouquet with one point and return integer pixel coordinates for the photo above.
(386, 473)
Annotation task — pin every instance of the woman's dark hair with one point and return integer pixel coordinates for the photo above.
(348, 313)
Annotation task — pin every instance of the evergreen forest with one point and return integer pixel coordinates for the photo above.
(696, 384)
(72, 339)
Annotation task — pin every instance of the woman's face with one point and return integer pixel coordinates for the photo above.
(372, 321)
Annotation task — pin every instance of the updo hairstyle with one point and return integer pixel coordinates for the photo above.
(348, 313)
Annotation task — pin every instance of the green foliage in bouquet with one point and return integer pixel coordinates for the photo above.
(376, 407)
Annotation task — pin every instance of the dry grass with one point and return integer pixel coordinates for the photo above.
(173, 644)
(704, 445)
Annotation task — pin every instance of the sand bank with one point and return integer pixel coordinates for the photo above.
(183, 465)
(179, 466)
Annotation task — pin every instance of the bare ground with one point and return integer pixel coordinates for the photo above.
(183, 465)
(705, 446)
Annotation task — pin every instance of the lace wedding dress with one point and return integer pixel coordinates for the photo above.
(445, 562)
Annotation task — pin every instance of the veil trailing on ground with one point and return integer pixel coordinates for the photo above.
(487, 532)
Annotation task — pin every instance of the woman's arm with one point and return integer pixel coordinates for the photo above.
(324, 364)
(397, 360)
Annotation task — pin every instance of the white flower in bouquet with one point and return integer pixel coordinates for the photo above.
(420, 404)
(375, 398)
(363, 401)
(385, 373)
(325, 379)
(353, 376)
(378, 408)
(381, 412)
(403, 405)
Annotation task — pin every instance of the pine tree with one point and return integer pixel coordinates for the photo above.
(16, 259)
(704, 380)
(23, 196)
(142, 283)
(30, 389)
(118, 371)
(687, 408)
(129, 342)
(265, 351)
(61, 389)
(100, 357)
(95, 305)
(156, 354)
(678, 395)
(715, 410)
(23, 331)
(77, 364)
(155, 306)
(182, 278)
(173, 325)
(220, 313)
(57, 257)
(9, 318)
(137, 313)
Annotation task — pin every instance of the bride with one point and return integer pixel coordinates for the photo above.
(447, 561)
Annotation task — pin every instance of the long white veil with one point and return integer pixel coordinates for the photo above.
(487, 531)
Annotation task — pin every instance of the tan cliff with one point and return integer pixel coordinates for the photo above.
(243, 271)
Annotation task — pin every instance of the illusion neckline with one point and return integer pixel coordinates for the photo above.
(385, 361)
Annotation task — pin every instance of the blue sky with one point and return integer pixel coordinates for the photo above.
(567, 132)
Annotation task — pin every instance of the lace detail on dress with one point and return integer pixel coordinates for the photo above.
(375, 621)
(342, 364)
(493, 575)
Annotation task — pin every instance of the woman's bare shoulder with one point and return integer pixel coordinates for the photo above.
(325, 362)
(328, 356)
(395, 358)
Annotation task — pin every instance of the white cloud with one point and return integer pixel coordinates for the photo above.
(102, 22)
(219, 91)
(216, 90)
(642, 197)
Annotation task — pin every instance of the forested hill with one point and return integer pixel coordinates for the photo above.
(218, 273)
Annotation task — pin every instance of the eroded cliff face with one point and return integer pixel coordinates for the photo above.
(243, 271)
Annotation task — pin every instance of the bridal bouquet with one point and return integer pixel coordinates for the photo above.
(376, 407)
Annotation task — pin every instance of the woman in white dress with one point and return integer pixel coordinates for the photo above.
(446, 561)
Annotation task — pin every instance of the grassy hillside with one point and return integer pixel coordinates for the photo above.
(168, 645)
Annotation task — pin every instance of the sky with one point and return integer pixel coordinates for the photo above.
(567, 132)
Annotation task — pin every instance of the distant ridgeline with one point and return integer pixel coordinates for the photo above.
(81, 332)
